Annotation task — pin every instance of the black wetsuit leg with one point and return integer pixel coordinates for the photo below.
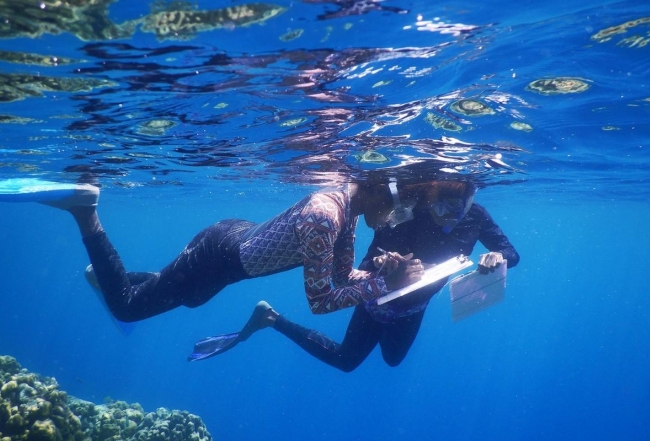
(208, 263)
(361, 337)
(397, 337)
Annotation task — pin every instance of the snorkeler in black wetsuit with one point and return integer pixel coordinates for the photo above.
(438, 231)
(395, 325)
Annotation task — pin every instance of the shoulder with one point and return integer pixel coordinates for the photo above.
(479, 209)
(326, 203)
(477, 216)
(478, 212)
(326, 208)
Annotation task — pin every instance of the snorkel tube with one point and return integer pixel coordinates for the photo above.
(400, 213)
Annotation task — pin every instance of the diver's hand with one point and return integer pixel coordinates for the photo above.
(489, 261)
(406, 273)
(388, 262)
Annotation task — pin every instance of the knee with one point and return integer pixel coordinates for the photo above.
(394, 361)
(348, 367)
(347, 363)
(125, 316)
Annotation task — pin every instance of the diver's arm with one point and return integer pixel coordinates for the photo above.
(317, 274)
(495, 240)
(328, 263)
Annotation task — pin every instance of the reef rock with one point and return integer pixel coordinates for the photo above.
(33, 408)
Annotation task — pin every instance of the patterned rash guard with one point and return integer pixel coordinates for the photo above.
(317, 233)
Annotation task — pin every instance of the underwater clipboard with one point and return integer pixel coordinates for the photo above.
(431, 275)
(473, 292)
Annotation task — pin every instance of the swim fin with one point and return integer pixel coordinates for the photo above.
(218, 344)
(212, 346)
(55, 194)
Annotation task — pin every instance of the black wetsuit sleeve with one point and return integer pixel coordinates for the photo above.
(493, 239)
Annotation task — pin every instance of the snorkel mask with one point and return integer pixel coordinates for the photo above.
(400, 213)
(456, 208)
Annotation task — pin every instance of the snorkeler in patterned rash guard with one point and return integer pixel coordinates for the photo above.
(444, 225)
(316, 233)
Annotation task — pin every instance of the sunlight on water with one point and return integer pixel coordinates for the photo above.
(318, 106)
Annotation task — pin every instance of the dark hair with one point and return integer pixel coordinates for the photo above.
(424, 192)
(429, 192)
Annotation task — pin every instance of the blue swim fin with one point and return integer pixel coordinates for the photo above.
(219, 344)
(212, 346)
(59, 195)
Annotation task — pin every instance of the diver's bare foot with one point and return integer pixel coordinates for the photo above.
(268, 320)
(263, 316)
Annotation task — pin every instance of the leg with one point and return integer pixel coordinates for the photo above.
(397, 337)
(360, 339)
(201, 270)
(263, 316)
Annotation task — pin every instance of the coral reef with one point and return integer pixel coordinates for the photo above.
(15, 87)
(156, 127)
(607, 34)
(439, 122)
(34, 59)
(33, 408)
(371, 157)
(183, 23)
(559, 85)
(472, 108)
(518, 125)
(88, 20)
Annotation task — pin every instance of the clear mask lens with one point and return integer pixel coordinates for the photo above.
(448, 206)
(457, 207)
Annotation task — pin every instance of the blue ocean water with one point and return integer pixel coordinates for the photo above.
(242, 121)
